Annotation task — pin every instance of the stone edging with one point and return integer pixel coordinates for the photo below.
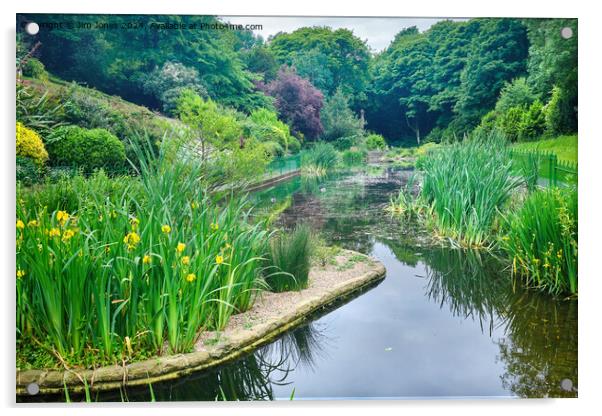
(170, 367)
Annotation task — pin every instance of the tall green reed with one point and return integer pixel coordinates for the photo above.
(147, 265)
(466, 183)
(541, 239)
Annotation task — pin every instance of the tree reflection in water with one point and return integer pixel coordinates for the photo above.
(248, 378)
(539, 346)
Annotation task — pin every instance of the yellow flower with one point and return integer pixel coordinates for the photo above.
(54, 232)
(228, 246)
(193, 205)
(166, 229)
(32, 223)
(113, 214)
(20, 273)
(214, 226)
(100, 218)
(62, 217)
(146, 259)
(186, 260)
(20, 224)
(219, 259)
(191, 277)
(131, 239)
(68, 234)
(134, 223)
(181, 247)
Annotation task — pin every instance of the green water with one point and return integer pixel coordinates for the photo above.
(443, 323)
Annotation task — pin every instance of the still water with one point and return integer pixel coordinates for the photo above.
(443, 323)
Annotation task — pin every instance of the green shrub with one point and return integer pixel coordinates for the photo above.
(541, 238)
(29, 144)
(375, 142)
(39, 110)
(510, 123)
(515, 94)
(86, 149)
(294, 146)
(28, 173)
(344, 143)
(533, 123)
(338, 119)
(560, 114)
(34, 68)
(289, 260)
(264, 126)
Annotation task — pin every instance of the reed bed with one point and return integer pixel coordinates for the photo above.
(125, 273)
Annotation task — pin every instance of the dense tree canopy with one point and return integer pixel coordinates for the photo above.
(431, 85)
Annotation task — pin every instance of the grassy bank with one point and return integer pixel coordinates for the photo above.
(565, 147)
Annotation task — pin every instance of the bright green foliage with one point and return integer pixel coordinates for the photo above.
(34, 68)
(328, 58)
(29, 144)
(319, 159)
(375, 142)
(559, 113)
(264, 126)
(344, 143)
(86, 149)
(465, 184)
(289, 260)
(564, 147)
(155, 270)
(39, 110)
(337, 118)
(515, 94)
(405, 204)
(209, 124)
(447, 77)
(541, 238)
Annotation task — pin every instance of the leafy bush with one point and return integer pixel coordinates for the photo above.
(375, 142)
(337, 118)
(343, 143)
(515, 94)
(86, 149)
(466, 183)
(560, 114)
(533, 123)
(541, 238)
(34, 68)
(294, 145)
(264, 126)
(289, 260)
(30, 145)
(28, 172)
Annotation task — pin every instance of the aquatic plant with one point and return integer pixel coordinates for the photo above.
(319, 159)
(541, 239)
(406, 204)
(466, 183)
(354, 157)
(123, 275)
(290, 259)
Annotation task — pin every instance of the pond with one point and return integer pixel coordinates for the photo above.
(443, 323)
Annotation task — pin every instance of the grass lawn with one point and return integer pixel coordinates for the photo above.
(565, 147)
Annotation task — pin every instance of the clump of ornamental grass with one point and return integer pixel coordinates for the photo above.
(319, 159)
(121, 272)
(465, 184)
(289, 260)
(541, 239)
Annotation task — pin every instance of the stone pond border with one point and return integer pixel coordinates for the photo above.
(158, 369)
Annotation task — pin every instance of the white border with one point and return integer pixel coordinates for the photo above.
(590, 140)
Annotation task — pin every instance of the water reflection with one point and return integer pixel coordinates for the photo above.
(539, 348)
